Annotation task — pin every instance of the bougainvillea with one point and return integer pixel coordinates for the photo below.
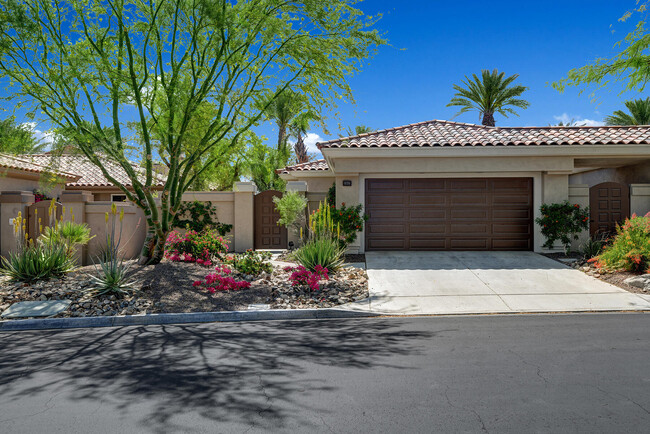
(301, 276)
(199, 247)
(221, 281)
(563, 222)
(630, 248)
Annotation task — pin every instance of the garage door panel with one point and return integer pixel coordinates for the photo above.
(449, 214)
(415, 229)
(427, 199)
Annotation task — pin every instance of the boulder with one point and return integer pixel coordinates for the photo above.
(642, 281)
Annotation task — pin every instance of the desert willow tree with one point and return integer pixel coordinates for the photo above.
(83, 65)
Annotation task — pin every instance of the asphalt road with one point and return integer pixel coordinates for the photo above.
(519, 374)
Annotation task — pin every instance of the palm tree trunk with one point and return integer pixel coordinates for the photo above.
(488, 119)
(301, 150)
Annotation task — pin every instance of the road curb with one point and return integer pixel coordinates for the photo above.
(179, 318)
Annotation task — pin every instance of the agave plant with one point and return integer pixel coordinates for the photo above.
(113, 274)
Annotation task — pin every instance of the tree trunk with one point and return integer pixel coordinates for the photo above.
(301, 150)
(488, 119)
(153, 249)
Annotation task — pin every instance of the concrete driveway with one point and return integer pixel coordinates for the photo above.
(486, 282)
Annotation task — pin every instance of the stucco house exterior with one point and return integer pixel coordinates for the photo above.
(442, 185)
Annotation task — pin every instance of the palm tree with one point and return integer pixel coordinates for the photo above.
(488, 95)
(571, 123)
(359, 129)
(283, 110)
(639, 114)
(298, 129)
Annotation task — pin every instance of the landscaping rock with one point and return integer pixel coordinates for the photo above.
(642, 281)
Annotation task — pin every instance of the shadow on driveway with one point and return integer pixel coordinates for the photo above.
(255, 373)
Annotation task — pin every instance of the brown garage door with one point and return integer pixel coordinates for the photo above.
(449, 214)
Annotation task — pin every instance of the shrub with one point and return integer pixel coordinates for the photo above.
(220, 281)
(301, 276)
(70, 234)
(35, 260)
(199, 216)
(562, 221)
(331, 195)
(630, 248)
(251, 262)
(113, 275)
(320, 251)
(593, 246)
(201, 247)
(350, 221)
(291, 208)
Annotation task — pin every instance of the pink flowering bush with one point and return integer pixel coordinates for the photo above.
(301, 276)
(200, 247)
(221, 281)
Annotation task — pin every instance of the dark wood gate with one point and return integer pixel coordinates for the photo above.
(268, 234)
(38, 217)
(609, 205)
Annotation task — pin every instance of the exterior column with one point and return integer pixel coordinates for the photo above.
(244, 216)
(299, 187)
(555, 189)
(579, 193)
(348, 192)
(12, 203)
(75, 205)
(639, 199)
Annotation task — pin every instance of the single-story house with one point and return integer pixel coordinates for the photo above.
(53, 174)
(442, 185)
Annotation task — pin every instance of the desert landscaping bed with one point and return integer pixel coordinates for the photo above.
(168, 287)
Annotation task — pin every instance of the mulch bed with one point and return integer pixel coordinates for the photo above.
(167, 287)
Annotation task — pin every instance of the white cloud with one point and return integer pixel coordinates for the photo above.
(310, 142)
(565, 119)
(46, 137)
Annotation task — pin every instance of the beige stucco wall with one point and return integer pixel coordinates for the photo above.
(633, 174)
(133, 229)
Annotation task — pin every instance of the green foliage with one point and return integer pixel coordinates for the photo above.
(291, 207)
(491, 93)
(331, 196)
(69, 234)
(18, 139)
(350, 221)
(630, 248)
(359, 129)
(37, 261)
(630, 66)
(199, 75)
(251, 262)
(198, 216)
(113, 276)
(593, 246)
(639, 114)
(262, 163)
(563, 222)
(324, 251)
(193, 246)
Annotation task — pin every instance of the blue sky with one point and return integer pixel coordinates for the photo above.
(434, 44)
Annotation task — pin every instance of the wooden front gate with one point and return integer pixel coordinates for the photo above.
(268, 234)
(38, 217)
(609, 205)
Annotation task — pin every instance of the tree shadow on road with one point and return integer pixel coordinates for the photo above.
(249, 373)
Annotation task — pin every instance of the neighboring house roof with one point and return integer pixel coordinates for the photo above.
(438, 133)
(24, 165)
(88, 174)
(304, 167)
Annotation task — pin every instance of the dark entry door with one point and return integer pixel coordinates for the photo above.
(609, 205)
(268, 234)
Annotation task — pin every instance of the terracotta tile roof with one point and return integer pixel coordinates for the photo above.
(303, 167)
(446, 133)
(22, 163)
(89, 174)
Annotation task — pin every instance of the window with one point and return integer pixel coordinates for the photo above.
(118, 197)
